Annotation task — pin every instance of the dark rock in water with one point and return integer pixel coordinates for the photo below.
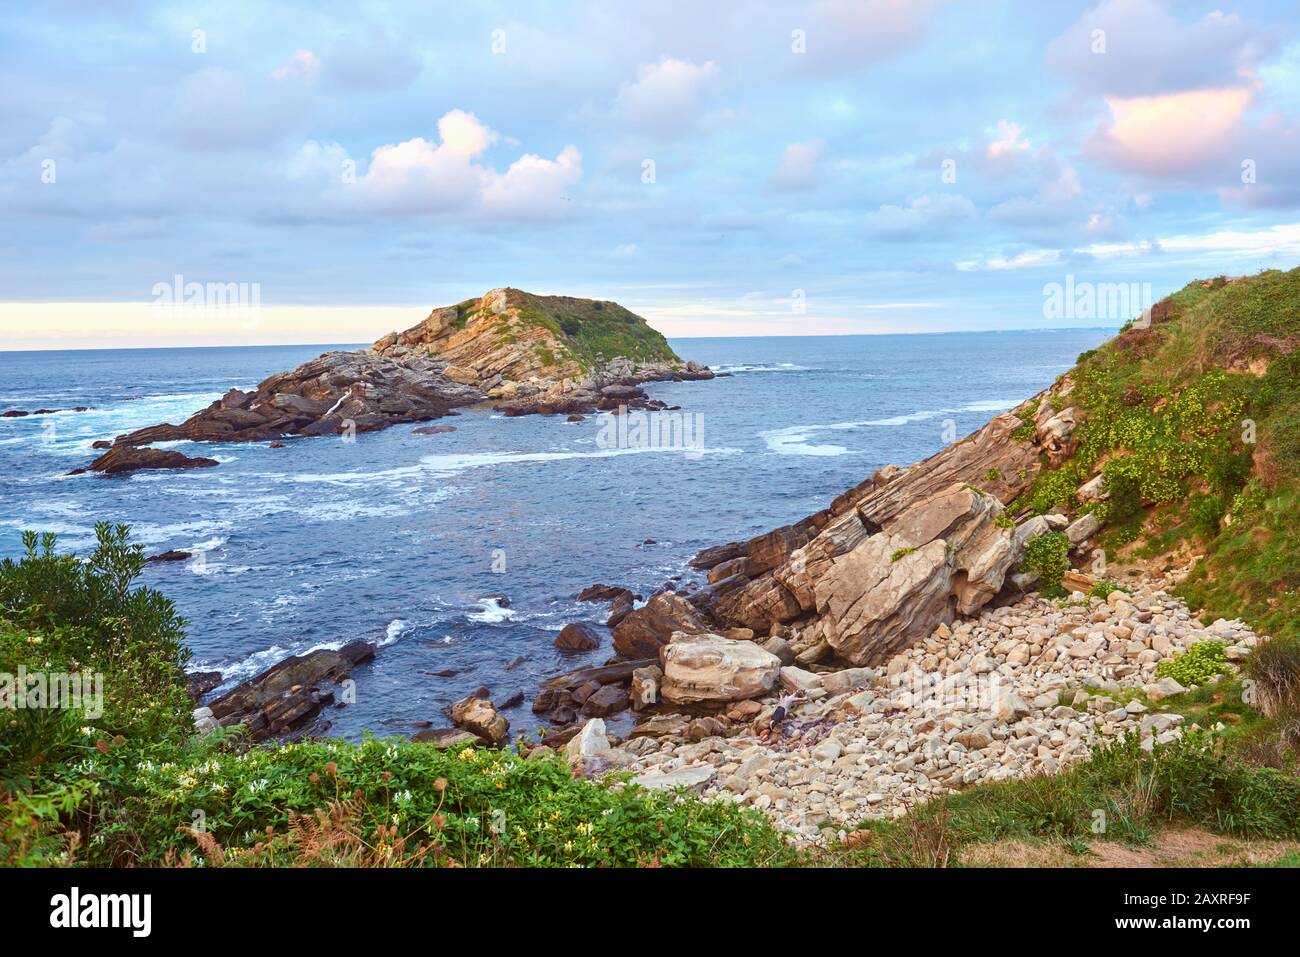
(276, 445)
(101, 444)
(513, 663)
(577, 636)
(603, 674)
(606, 700)
(433, 429)
(288, 695)
(171, 555)
(199, 683)
(444, 738)
(575, 417)
(514, 701)
(19, 413)
(444, 673)
(602, 593)
(623, 606)
(716, 555)
(126, 458)
(501, 600)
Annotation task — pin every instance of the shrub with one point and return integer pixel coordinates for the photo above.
(1196, 665)
(1205, 513)
(1103, 589)
(1274, 667)
(1048, 555)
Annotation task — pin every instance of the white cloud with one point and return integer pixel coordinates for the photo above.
(1148, 51)
(1028, 259)
(798, 167)
(533, 187)
(925, 215)
(304, 64)
(664, 98)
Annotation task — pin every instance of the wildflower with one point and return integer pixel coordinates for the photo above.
(466, 755)
(440, 784)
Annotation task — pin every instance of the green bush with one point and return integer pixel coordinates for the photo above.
(1196, 665)
(1205, 513)
(1048, 555)
(1103, 589)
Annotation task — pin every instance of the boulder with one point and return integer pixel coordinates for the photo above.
(446, 738)
(577, 636)
(479, 716)
(606, 700)
(693, 778)
(589, 742)
(645, 687)
(1083, 528)
(644, 631)
(709, 668)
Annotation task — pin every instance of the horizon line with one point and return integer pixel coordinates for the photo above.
(363, 345)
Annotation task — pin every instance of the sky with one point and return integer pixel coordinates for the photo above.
(327, 172)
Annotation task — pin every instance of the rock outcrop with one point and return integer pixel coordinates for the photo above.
(284, 699)
(710, 668)
(125, 458)
(537, 354)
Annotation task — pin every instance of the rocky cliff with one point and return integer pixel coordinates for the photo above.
(1167, 436)
(536, 354)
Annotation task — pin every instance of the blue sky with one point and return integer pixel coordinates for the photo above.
(747, 168)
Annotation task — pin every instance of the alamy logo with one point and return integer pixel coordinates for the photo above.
(38, 690)
(653, 430)
(75, 910)
(181, 299)
(1116, 301)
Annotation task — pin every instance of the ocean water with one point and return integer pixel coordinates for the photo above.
(463, 551)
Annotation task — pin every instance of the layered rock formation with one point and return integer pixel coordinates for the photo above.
(536, 354)
(287, 697)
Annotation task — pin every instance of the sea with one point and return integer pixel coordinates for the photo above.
(460, 555)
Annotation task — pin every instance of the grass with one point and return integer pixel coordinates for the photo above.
(1122, 793)
(592, 331)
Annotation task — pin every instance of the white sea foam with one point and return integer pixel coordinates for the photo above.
(742, 367)
(492, 612)
(396, 628)
(795, 440)
(454, 464)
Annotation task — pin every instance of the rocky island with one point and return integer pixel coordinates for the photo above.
(528, 354)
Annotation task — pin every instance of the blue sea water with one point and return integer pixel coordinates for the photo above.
(464, 551)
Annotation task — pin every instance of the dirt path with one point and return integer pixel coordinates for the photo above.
(1172, 848)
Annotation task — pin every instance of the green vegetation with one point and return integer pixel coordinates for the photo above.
(595, 331)
(133, 785)
(1048, 555)
(1196, 665)
(1103, 589)
(1122, 792)
(1194, 424)
(992, 475)
(901, 553)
